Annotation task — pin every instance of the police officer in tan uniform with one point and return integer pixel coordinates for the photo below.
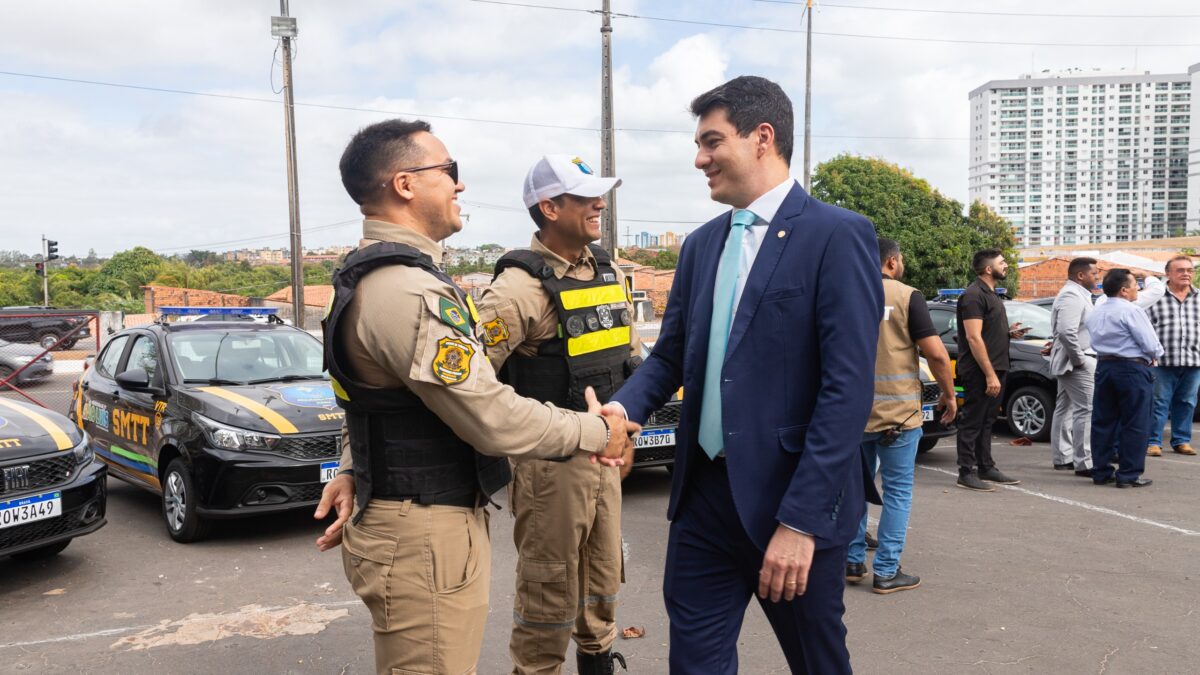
(555, 320)
(427, 423)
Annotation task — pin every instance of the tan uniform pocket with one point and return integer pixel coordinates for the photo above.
(367, 559)
(454, 550)
(543, 595)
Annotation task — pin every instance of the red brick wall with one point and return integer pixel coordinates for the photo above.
(170, 296)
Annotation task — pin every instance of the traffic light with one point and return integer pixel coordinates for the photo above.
(41, 268)
(51, 249)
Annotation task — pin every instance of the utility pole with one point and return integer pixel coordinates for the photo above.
(45, 274)
(284, 27)
(608, 162)
(808, 103)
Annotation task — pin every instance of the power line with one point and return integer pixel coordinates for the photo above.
(978, 13)
(255, 99)
(776, 29)
(265, 237)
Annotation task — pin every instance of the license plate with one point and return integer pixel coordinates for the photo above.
(328, 471)
(655, 438)
(28, 509)
(927, 413)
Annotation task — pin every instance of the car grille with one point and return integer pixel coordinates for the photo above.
(658, 454)
(28, 533)
(666, 416)
(43, 473)
(930, 393)
(309, 447)
(307, 493)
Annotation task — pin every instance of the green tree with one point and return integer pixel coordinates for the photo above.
(126, 272)
(938, 240)
(993, 231)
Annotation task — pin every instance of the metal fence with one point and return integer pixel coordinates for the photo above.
(42, 353)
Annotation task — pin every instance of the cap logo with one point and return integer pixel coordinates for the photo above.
(582, 166)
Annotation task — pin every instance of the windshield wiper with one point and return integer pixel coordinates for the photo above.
(286, 378)
(218, 380)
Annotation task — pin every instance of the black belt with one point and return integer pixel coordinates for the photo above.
(1134, 359)
(469, 501)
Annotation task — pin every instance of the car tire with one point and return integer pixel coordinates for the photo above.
(5, 372)
(1030, 412)
(179, 501)
(925, 445)
(42, 552)
(47, 340)
(67, 344)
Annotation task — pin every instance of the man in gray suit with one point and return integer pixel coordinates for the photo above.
(1073, 363)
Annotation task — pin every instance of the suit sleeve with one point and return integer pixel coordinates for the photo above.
(849, 308)
(1069, 315)
(653, 383)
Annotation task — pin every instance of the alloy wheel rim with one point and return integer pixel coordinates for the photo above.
(175, 499)
(1029, 415)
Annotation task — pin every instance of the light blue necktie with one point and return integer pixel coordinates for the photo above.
(711, 429)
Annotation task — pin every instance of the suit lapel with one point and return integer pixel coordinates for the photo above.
(776, 238)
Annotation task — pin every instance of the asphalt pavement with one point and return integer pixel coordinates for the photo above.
(1054, 575)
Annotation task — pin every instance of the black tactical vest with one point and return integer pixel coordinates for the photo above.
(400, 449)
(592, 344)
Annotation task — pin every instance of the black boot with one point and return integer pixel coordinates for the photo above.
(599, 664)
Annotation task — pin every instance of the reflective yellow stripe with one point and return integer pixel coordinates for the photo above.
(601, 339)
(337, 389)
(273, 418)
(61, 439)
(471, 308)
(591, 297)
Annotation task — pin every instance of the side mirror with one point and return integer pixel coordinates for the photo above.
(136, 379)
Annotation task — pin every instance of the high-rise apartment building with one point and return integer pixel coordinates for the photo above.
(1081, 157)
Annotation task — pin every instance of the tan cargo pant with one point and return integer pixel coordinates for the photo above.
(424, 573)
(569, 560)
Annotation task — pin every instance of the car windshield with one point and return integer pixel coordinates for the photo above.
(246, 356)
(1036, 319)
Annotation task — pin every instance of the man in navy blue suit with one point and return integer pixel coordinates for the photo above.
(771, 328)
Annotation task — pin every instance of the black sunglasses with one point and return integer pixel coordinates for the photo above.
(451, 168)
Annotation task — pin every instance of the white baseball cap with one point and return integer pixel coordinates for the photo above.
(555, 175)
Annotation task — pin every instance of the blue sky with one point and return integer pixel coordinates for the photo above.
(110, 168)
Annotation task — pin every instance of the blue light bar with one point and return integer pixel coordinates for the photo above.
(950, 292)
(227, 311)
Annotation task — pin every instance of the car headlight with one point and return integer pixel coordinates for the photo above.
(232, 438)
(83, 451)
(22, 359)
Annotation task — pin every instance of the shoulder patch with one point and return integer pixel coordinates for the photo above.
(495, 332)
(452, 315)
(452, 364)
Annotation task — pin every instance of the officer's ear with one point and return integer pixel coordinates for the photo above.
(549, 209)
(401, 185)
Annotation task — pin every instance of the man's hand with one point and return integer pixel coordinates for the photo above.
(338, 494)
(786, 563)
(993, 386)
(949, 401)
(620, 431)
(1017, 331)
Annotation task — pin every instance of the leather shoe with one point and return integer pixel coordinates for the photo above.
(872, 542)
(1154, 451)
(1106, 481)
(994, 475)
(856, 572)
(1140, 482)
(898, 582)
(1084, 473)
(970, 481)
(1064, 467)
(1184, 449)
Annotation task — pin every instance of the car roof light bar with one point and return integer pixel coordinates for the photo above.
(228, 311)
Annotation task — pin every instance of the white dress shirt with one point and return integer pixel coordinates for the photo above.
(765, 208)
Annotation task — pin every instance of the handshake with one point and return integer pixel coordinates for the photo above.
(619, 449)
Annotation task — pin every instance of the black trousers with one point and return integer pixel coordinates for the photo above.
(976, 419)
(1121, 411)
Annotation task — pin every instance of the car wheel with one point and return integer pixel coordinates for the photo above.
(179, 504)
(41, 552)
(926, 444)
(47, 340)
(1029, 411)
(68, 344)
(5, 372)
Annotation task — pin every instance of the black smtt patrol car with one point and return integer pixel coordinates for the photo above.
(220, 418)
(51, 486)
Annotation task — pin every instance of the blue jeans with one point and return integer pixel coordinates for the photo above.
(896, 462)
(1174, 393)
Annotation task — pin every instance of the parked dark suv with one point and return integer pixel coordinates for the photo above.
(43, 326)
(1029, 391)
(221, 419)
(51, 486)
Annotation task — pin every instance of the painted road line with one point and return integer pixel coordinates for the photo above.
(1082, 505)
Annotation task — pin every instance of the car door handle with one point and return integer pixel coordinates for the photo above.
(116, 393)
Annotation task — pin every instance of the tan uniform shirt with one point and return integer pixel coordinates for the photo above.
(394, 337)
(527, 312)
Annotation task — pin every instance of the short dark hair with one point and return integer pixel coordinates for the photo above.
(1177, 259)
(887, 249)
(1078, 265)
(981, 259)
(535, 211)
(374, 152)
(1115, 280)
(749, 101)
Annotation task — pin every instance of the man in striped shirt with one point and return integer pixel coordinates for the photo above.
(1176, 319)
